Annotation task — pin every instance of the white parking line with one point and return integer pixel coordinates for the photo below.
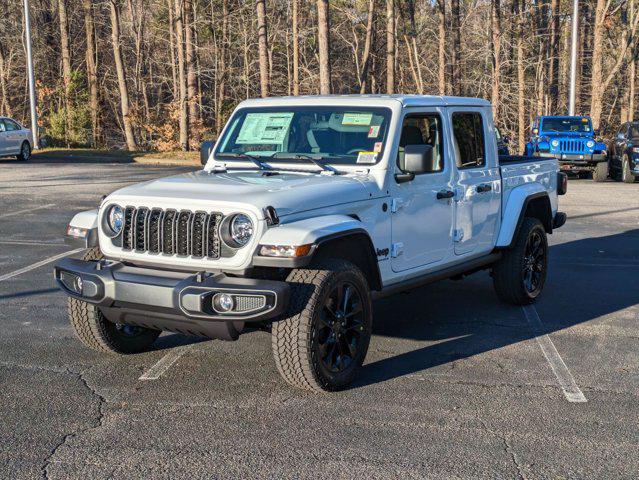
(15, 273)
(157, 370)
(565, 378)
(26, 210)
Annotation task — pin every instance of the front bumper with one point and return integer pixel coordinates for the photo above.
(169, 300)
(576, 158)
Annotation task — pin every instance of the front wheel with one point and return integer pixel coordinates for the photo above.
(25, 152)
(600, 173)
(520, 274)
(95, 331)
(626, 174)
(322, 342)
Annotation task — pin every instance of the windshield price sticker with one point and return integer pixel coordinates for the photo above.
(367, 158)
(265, 128)
(373, 132)
(357, 119)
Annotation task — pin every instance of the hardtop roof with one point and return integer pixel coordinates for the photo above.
(376, 99)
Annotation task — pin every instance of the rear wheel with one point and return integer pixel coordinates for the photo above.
(322, 342)
(25, 152)
(519, 276)
(600, 173)
(626, 174)
(96, 332)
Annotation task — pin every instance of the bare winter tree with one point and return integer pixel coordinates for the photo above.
(323, 33)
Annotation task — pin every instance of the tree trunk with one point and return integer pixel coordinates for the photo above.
(222, 73)
(181, 61)
(64, 47)
(121, 73)
(172, 40)
(368, 43)
(632, 86)
(553, 64)
(191, 73)
(323, 34)
(5, 106)
(296, 49)
(441, 67)
(495, 23)
(390, 46)
(262, 34)
(92, 70)
(456, 60)
(521, 80)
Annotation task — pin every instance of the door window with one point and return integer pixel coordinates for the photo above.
(11, 125)
(468, 129)
(2, 127)
(423, 129)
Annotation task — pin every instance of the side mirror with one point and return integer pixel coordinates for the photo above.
(535, 131)
(205, 150)
(417, 159)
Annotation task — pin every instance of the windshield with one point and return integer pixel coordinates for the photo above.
(572, 124)
(340, 135)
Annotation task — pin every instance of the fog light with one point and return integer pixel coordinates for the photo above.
(72, 282)
(223, 302)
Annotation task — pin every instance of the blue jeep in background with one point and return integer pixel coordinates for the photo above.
(572, 141)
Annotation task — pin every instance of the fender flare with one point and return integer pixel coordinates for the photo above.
(515, 209)
(83, 229)
(317, 231)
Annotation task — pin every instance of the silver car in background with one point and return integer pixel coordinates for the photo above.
(15, 140)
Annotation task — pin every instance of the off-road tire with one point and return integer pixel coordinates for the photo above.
(96, 332)
(600, 172)
(294, 338)
(626, 174)
(508, 271)
(25, 152)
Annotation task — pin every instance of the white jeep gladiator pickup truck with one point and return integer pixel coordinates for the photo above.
(307, 210)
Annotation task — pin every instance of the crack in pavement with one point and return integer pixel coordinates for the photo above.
(507, 447)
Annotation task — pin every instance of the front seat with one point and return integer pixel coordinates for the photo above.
(411, 135)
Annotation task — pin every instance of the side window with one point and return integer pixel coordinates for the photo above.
(11, 125)
(423, 129)
(2, 127)
(468, 128)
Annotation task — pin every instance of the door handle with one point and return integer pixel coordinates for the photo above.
(445, 194)
(484, 187)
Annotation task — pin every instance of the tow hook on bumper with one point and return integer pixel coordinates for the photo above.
(114, 285)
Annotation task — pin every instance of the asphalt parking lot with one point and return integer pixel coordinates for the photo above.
(455, 385)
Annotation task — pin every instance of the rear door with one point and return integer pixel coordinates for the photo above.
(422, 218)
(478, 186)
(14, 137)
(3, 138)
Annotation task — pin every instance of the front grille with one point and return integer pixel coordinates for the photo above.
(172, 232)
(572, 146)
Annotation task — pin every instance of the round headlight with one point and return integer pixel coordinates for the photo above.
(115, 218)
(590, 144)
(241, 229)
(555, 143)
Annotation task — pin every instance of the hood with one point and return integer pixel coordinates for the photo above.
(287, 192)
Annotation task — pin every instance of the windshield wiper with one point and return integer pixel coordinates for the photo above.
(253, 158)
(316, 160)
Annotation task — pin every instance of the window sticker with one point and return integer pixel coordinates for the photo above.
(367, 158)
(373, 132)
(378, 147)
(353, 118)
(265, 128)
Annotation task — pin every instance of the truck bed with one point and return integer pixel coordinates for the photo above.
(518, 170)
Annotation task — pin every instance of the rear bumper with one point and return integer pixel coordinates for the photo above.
(168, 300)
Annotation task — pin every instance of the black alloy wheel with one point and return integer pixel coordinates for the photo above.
(534, 264)
(340, 327)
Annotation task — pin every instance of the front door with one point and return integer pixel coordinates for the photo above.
(478, 192)
(422, 222)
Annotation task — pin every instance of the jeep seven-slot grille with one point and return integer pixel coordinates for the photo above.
(572, 146)
(171, 232)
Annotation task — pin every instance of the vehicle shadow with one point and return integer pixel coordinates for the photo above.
(465, 318)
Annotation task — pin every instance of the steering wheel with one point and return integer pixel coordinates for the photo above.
(355, 150)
